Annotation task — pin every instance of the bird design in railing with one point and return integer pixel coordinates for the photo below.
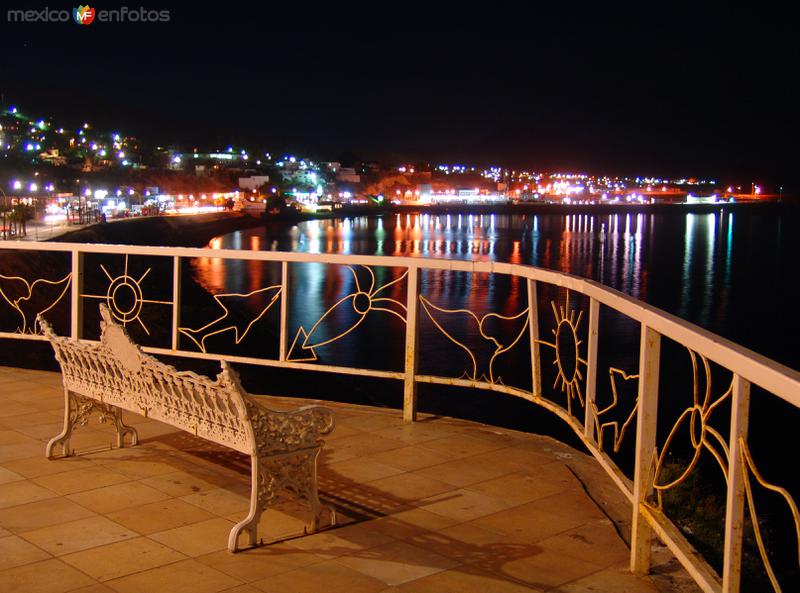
(30, 299)
(346, 315)
(251, 306)
(499, 333)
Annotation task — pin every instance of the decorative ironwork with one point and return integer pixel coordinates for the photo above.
(115, 375)
(240, 328)
(619, 431)
(497, 346)
(360, 303)
(701, 433)
(567, 345)
(124, 312)
(749, 467)
(18, 292)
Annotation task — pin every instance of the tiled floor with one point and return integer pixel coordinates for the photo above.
(439, 506)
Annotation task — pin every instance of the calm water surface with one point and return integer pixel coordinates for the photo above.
(730, 272)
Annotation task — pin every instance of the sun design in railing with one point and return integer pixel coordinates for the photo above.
(566, 346)
(124, 296)
(496, 340)
(267, 297)
(359, 304)
(703, 436)
(23, 296)
(614, 425)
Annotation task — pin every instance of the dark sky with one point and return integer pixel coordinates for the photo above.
(642, 93)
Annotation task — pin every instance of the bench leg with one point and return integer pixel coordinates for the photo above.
(123, 429)
(249, 523)
(311, 495)
(77, 410)
(70, 418)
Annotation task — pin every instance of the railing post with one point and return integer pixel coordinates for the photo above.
(734, 511)
(591, 368)
(76, 318)
(412, 342)
(646, 423)
(533, 326)
(176, 300)
(284, 310)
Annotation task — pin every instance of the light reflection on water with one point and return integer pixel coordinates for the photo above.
(711, 269)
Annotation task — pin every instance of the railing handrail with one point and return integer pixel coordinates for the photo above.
(758, 369)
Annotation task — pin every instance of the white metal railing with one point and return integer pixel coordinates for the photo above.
(644, 490)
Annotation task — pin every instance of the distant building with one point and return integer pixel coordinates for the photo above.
(348, 175)
(253, 182)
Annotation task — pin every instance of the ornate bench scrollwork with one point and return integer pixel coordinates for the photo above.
(116, 375)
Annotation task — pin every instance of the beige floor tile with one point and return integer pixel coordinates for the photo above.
(574, 503)
(77, 535)
(517, 488)
(123, 558)
(15, 551)
(183, 483)
(80, 480)
(198, 538)
(187, 576)
(469, 544)
(359, 470)
(158, 516)
(19, 451)
(138, 467)
(409, 458)
(546, 570)
(220, 501)
(117, 496)
(463, 472)
(12, 437)
(609, 581)
(406, 524)
(456, 446)
(259, 563)
(43, 513)
(528, 522)
(409, 487)
(341, 541)
(39, 465)
(596, 542)
(358, 445)
(20, 492)
(465, 579)
(464, 505)
(397, 563)
(48, 576)
(96, 588)
(9, 476)
(514, 460)
(330, 576)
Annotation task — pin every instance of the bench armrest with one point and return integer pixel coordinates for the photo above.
(283, 432)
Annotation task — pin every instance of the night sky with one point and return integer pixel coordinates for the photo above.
(703, 95)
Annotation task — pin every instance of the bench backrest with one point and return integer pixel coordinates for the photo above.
(116, 371)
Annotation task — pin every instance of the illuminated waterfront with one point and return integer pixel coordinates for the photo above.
(718, 270)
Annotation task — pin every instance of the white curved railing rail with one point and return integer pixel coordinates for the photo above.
(647, 485)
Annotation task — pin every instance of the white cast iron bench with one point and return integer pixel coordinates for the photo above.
(115, 375)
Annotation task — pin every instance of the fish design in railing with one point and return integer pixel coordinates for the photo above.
(126, 308)
(619, 431)
(30, 299)
(265, 297)
(512, 328)
(359, 304)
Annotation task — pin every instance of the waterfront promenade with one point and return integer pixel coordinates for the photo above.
(441, 505)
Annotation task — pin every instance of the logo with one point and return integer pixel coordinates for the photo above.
(84, 15)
